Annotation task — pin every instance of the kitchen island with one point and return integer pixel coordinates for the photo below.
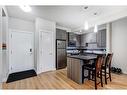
(74, 66)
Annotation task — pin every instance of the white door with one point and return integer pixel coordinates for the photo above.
(21, 51)
(46, 51)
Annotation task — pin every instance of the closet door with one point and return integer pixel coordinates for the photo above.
(46, 51)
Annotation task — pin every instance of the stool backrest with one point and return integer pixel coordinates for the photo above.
(108, 59)
(99, 62)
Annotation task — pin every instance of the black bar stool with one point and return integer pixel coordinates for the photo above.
(95, 69)
(107, 65)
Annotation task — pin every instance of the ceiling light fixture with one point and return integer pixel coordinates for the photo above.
(86, 27)
(95, 28)
(86, 7)
(25, 8)
(95, 13)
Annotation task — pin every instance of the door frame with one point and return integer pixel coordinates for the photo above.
(39, 49)
(9, 49)
(1, 77)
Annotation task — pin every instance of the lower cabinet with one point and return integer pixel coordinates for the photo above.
(74, 70)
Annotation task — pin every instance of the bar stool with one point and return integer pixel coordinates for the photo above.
(107, 65)
(96, 69)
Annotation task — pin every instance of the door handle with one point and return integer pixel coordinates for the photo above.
(50, 53)
(30, 49)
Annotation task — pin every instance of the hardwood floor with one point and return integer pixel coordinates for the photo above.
(58, 80)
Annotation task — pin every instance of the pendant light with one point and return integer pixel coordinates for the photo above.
(86, 27)
(95, 28)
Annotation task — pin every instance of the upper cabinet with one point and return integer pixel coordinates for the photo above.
(90, 37)
(75, 39)
(101, 38)
(61, 34)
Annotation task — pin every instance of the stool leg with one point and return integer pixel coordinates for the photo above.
(101, 78)
(110, 74)
(82, 74)
(92, 75)
(105, 76)
(95, 80)
(89, 75)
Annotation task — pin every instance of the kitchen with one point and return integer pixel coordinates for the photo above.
(80, 43)
(55, 45)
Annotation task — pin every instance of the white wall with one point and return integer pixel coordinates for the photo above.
(119, 44)
(19, 24)
(42, 24)
(5, 53)
(0, 46)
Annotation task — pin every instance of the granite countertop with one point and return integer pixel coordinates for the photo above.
(83, 57)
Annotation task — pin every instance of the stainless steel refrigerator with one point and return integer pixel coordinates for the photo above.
(61, 57)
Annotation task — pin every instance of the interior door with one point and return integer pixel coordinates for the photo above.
(21, 51)
(46, 50)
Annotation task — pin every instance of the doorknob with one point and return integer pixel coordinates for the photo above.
(30, 49)
(50, 53)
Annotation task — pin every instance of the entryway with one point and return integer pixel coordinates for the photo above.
(21, 51)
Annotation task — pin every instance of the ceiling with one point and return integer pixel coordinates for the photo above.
(71, 17)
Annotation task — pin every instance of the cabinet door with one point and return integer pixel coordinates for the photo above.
(61, 34)
(90, 37)
(101, 38)
(75, 38)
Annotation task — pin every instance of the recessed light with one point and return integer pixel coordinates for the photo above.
(25, 8)
(86, 7)
(95, 13)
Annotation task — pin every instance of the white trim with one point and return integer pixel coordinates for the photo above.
(5, 79)
(124, 72)
(64, 28)
(20, 31)
(0, 85)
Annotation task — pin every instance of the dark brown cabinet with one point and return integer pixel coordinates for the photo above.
(74, 69)
(61, 34)
(75, 38)
(101, 38)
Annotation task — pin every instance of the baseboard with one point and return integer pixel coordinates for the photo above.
(38, 72)
(4, 79)
(124, 72)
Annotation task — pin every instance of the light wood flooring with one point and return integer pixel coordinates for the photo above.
(58, 80)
